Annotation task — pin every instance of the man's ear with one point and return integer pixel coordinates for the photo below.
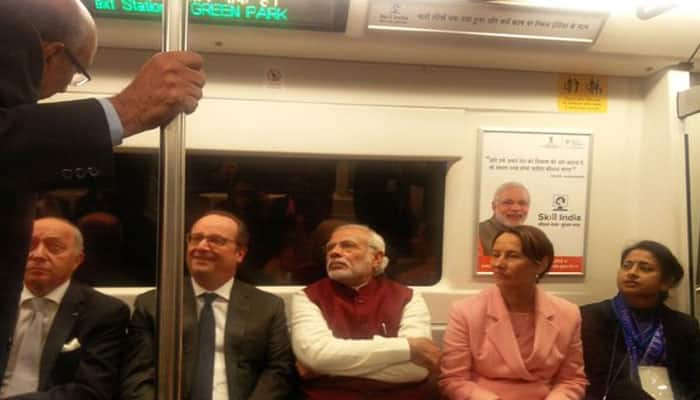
(377, 258)
(51, 49)
(79, 258)
(241, 253)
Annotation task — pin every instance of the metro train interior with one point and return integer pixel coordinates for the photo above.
(387, 112)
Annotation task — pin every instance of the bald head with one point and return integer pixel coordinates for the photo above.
(66, 21)
(68, 38)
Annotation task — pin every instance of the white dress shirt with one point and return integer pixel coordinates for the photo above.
(381, 358)
(220, 308)
(53, 300)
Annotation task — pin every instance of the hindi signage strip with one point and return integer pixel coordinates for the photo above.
(484, 19)
(554, 169)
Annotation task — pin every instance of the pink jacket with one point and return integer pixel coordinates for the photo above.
(481, 358)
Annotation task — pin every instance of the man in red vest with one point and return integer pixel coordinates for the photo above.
(356, 333)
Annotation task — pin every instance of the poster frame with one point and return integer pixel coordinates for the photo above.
(478, 180)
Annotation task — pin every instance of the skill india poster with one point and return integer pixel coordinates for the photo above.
(554, 168)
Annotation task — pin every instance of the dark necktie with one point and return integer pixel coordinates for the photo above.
(204, 368)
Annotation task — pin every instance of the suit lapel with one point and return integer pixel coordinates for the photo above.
(236, 316)
(69, 311)
(189, 336)
(546, 331)
(499, 330)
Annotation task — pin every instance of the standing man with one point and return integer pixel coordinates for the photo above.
(510, 205)
(358, 335)
(68, 337)
(235, 341)
(44, 46)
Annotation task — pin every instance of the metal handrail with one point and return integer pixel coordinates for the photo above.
(171, 222)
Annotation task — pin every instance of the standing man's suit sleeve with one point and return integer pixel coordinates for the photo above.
(45, 145)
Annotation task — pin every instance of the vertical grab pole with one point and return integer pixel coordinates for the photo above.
(171, 222)
(689, 227)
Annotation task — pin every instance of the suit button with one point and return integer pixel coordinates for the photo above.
(67, 173)
(80, 173)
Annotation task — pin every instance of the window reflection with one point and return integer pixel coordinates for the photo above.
(291, 206)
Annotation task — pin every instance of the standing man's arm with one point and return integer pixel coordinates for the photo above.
(44, 144)
(167, 85)
(276, 380)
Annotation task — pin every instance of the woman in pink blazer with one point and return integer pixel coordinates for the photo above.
(514, 341)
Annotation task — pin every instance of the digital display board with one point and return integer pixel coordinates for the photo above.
(318, 15)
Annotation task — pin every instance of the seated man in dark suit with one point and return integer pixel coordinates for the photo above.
(68, 337)
(235, 341)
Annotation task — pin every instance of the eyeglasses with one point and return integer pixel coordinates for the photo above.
(81, 77)
(194, 239)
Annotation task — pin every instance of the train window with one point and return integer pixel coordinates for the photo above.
(290, 204)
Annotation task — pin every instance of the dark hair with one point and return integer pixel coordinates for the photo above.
(535, 244)
(671, 268)
(243, 236)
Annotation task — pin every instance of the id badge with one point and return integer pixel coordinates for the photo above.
(655, 381)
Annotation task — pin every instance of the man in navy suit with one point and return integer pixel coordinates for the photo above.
(44, 45)
(68, 337)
